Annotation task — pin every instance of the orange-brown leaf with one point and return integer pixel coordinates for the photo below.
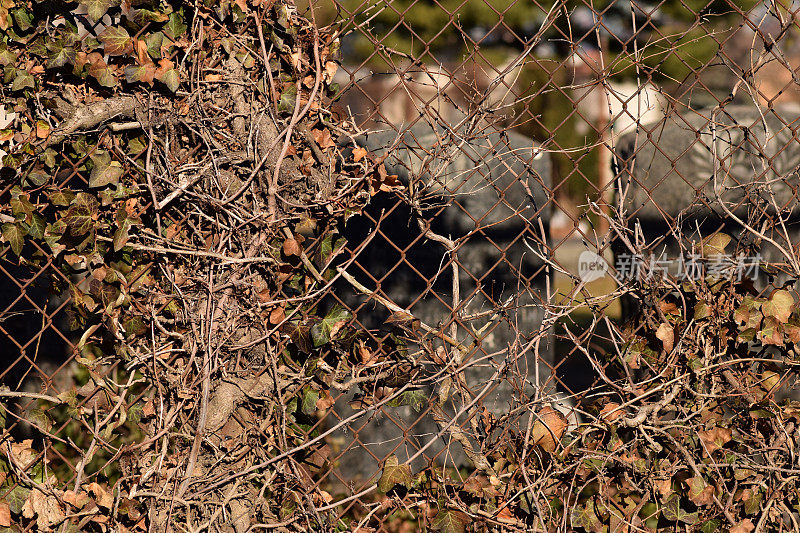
(548, 429)
(291, 247)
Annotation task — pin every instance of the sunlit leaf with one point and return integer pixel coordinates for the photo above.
(95, 9)
(22, 80)
(116, 40)
(141, 73)
(175, 26)
(326, 330)
(103, 74)
(14, 236)
(394, 474)
(171, 79)
(672, 511)
(105, 172)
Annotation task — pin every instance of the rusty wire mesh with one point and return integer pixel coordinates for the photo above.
(524, 137)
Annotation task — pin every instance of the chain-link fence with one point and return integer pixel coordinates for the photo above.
(554, 196)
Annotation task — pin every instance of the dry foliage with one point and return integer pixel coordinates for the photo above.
(196, 256)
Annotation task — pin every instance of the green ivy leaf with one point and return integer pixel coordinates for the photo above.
(14, 236)
(103, 74)
(16, 497)
(21, 207)
(309, 403)
(48, 157)
(96, 8)
(7, 57)
(40, 419)
(672, 511)
(175, 26)
(105, 171)
(286, 102)
(450, 521)
(61, 198)
(135, 413)
(136, 146)
(325, 331)
(52, 236)
(171, 79)
(23, 18)
(412, 398)
(121, 235)
(36, 178)
(143, 16)
(78, 219)
(329, 246)
(301, 337)
(116, 41)
(60, 54)
(154, 42)
(753, 504)
(22, 80)
(394, 474)
(134, 326)
(710, 526)
(37, 226)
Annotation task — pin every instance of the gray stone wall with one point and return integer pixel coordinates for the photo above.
(693, 169)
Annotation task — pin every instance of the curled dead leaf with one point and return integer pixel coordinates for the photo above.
(277, 315)
(291, 247)
(611, 412)
(715, 438)
(359, 154)
(548, 429)
(666, 334)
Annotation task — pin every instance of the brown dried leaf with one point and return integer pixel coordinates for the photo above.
(330, 71)
(164, 65)
(359, 154)
(367, 356)
(141, 51)
(715, 438)
(42, 129)
(506, 517)
(101, 495)
(325, 401)
(5, 514)
(664, 487)
(323, 138)
(277, 315)
(779, 305)
(699, 492)
(745, 526)
(480, 486)
(149, 408)
(611, 412)
(666, 334)
(76, 499)
(44, 507)
(548, 429)
(291, 247)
